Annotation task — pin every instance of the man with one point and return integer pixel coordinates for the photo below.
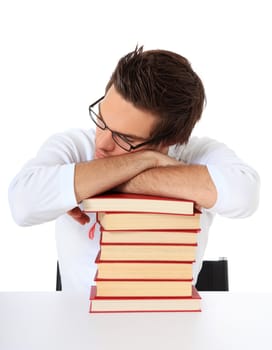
(140, 143)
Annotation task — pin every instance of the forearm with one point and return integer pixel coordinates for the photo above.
(181, 181)
(43, 193)
(104, 174)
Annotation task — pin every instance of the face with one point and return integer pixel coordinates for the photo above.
(122, 117)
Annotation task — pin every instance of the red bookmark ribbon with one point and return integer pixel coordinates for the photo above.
(91, 231)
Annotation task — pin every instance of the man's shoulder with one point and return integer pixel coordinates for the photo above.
(74, 136)
(195, 149)
(78, 134)
(77, 144)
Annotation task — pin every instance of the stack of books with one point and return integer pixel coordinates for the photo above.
(147, 250)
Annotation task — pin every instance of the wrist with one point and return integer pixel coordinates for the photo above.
(145, 159)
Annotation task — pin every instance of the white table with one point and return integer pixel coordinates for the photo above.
(55, 320)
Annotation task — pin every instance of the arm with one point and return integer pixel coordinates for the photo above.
(181, 181)
(114, 171)
(100, 175)
(213, 176)
(103, 174)
(63, 173)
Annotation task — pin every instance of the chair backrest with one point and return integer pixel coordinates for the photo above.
(58, 282)
(213, 276)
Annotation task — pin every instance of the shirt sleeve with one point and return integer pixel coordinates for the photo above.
(44, 188)
(237, 183)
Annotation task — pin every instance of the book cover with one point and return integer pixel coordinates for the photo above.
(110, 269)
(147, 221)
(137, 203)
(143, 288)
(148, 252)
(149, 236)
(132, 304)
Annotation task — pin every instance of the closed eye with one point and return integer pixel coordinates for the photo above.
(126, 138)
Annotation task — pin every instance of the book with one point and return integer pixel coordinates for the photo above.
(137, 203)
(148, 252)
(142, 288)
(161, 304)
(143, 269)
(150, 236)
(147, 249)
(148, 221)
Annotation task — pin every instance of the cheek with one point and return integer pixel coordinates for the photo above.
(105, 144)
(98, 133)
(102, 136)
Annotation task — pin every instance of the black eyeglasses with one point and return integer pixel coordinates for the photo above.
(119, 139)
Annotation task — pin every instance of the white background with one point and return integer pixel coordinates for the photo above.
(57, 56)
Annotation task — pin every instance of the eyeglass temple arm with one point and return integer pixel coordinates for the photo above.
(93, 104)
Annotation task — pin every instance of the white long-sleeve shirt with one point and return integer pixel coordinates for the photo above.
(44, 190)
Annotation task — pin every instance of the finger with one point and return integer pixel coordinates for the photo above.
(79, 216)
(75, 212)
(83, 219)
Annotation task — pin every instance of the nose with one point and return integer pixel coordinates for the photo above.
(104, 140)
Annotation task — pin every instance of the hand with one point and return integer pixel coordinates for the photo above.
(164, 160)
(138, 184)
(78, 215)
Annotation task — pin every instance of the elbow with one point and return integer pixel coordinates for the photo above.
(247, 196)
(21, 219)
(251, 201)
(238, 192)
(253, 194)
(19, 208)
(21, 204)
(256, 196)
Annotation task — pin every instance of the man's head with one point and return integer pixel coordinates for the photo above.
(164, 84)
(153, 97)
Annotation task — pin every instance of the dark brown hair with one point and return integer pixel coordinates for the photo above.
(163, 83)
